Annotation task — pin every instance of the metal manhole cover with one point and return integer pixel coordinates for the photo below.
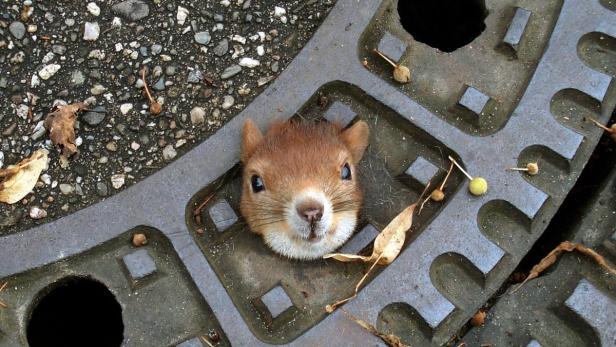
(462, 250)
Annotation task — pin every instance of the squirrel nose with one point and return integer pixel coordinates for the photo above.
(310, 210)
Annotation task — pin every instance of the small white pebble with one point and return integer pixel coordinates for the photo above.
(249, 62)
(181, 15)
(117, 180)
(94, 9)
(238, 38)
(125, 108)
(116, 22)
(279, 11)
(37, 212)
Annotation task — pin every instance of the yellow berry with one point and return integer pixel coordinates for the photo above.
(478, 186)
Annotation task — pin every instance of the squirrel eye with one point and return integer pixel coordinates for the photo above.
(345, 173)
(257, 184)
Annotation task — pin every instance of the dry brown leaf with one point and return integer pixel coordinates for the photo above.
(60, 124)
(387, 246)
(388, 242)
(389, 339)
(18, 180)
(565, 246)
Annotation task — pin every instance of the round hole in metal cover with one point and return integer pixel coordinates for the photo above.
(443, 24)
(76, 311)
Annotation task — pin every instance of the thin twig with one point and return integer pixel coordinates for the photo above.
(145, 85)
(209, 197)
(551, 258)
(446, 177)
(206, 341)
(330, 308)
(390, 339)
(2, 304)
(600, 125)
(460, 167)
(385, 57)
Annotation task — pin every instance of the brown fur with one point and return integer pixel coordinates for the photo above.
(293, 156)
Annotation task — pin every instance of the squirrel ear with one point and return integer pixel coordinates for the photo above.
(356, 139)
(251, 137)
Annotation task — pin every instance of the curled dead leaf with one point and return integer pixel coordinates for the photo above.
(388, 242)
(60, 124)
(387, 246)
(18, 180)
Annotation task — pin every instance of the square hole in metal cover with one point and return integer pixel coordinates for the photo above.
(474, 100)
(340, 113)
(360, 240)
(422, 170)
(223, 215)
(276, 301)
(139, 264)
(392, 46)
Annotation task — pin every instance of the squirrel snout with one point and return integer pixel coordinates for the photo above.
(310, 210)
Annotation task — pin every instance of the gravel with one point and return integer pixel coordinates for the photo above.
(230, 72)
(91, 30)
(125, 108)
(221, 48)
(197, 115)
(195, 76)
(249, 62)
(67, 189)
(169, 153)
(37, 213)
(203, 37)
(94, 51)
(17, 29)
(49, 70)
(132, 10)
(228, 101)
(93, 118)
(93, 9)
(102, 189)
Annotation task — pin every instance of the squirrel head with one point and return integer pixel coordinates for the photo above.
(299, 189)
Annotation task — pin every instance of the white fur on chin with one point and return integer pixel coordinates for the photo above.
(297, 248)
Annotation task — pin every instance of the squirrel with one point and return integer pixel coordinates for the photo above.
(300, 188)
